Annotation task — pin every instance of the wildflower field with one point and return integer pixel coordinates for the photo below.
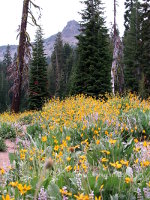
(80, 148)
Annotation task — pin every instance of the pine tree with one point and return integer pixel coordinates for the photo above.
(38, 91)
(62, 61)
(132, 47)
(145, 52)
(94, 62)
(5, 86)
(7, 61)
(57, 60)
(69, 56)
(127, 16)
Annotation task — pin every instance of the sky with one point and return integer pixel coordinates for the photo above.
(55, 15)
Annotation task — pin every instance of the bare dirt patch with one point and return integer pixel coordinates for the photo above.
(4, 156)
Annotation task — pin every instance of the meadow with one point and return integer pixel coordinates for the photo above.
(79, 148)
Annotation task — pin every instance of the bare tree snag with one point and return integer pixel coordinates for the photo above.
(117, 56)
(18, 71)
(20, 59)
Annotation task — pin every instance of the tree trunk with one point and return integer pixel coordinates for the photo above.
(21, 52)
(115, 52)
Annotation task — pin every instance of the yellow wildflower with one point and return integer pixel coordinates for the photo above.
(68, 168)
(145, 163)
(97, 178)
(22, 156)
(56, 141)
(56, 147)
(111, 141)
(44, 138)
(105, 167)
(107, 152)
(148, 184)
(7, 197)
(13, 184)
(68, 159)
(84, 167)
(68, 138)
(23, 188)
(97, 142)
(128, 180)
(136, 140)
(95, 132)
(2, 171)
(98, 198)
(144, 144)
(136, 161)
(124, 162)
(104, 160)
(106, 133)
(137, 149)
(117, 165)
(101, 187)
(63, 192)
(82, 197)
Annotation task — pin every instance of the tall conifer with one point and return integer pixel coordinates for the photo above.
(94, 62)
(132, 46)
(4, 85)
(62, 62)
(145, 52)
(38, 82)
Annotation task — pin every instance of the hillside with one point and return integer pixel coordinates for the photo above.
(68, 35)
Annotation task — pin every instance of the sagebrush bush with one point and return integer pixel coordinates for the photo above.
(7, 131)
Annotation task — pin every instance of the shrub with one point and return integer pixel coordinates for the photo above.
(34, 130)
(7, 131)
(26, 119)
(3, 146)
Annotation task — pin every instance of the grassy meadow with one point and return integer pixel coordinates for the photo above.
(80, 148)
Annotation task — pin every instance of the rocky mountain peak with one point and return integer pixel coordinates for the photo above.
(68, 36)
(72, 28)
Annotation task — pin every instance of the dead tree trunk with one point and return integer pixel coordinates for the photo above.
(20, 59)
(114, 62)
(117, 76)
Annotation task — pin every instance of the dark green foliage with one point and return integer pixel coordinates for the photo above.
(4, 84)
(145, 51)
(60, 70)
(51, 80)
(3, 146)
(7, 57)
(136, 47)
(69, 56)
(38, 82)
(57, 60)
(132, 46)
(7, 131)
(94, 62)
(127, 16)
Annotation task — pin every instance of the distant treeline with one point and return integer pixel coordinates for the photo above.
(86, 68)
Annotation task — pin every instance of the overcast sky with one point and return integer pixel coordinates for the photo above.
(55, 15)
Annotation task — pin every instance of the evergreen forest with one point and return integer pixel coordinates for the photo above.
(101, 62)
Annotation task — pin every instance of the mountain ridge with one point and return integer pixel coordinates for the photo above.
(68, 36)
